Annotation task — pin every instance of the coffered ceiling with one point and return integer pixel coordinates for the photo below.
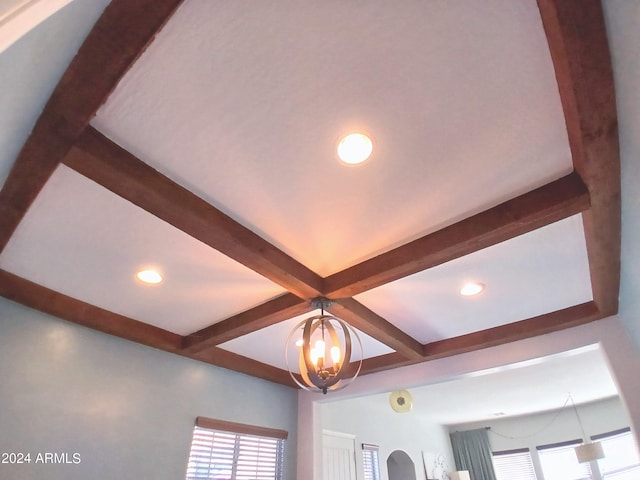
(199, 138)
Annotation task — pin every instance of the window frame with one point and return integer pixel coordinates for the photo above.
(513, 453)
(240, 438)
(603, 437)
(372, 451)
(569, 444)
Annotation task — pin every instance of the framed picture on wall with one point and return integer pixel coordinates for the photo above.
(436, 466)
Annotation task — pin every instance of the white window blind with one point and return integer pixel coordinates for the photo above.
(514, 465)
(621, 460)
(370, 462)
(231, 451)
(559, 462)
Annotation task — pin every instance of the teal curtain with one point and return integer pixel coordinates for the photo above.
(471, 451)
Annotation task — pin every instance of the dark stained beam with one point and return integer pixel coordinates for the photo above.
(67, 308)
(239, 363)
(531, 327)
(555, 201)
(101, 160)
(382, 363)
(269, 313)
(511, 332)
(369, 322)
(579, 48)
(118, 38)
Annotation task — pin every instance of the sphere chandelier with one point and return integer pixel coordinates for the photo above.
(322, 347)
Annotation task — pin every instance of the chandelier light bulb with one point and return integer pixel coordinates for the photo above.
(335, 354)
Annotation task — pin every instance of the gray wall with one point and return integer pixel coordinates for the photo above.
(127, 409)
(621, 18)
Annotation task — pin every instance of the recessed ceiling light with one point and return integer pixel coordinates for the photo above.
(355, 148)
(471, 288)
(149, 276)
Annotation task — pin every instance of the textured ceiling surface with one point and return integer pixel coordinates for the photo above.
(264, 96)
(202, 142)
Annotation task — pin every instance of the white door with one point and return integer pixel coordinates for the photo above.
(338, 456)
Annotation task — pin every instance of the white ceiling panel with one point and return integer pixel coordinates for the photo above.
(263, 94)
(536, 273)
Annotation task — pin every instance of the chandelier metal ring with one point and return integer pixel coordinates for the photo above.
(326, 364)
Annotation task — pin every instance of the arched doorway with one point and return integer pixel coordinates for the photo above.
(400, 466)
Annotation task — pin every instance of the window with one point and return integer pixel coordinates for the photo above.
(370, 462)
(559, 462)
(513, 465)
(233, 451)
(621, 460)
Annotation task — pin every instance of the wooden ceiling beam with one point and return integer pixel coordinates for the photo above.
(45, 300)
(369, 322)
(531, 327)
(277, 310)
(577, 38)
(239, 363)
(389, 361)
(545, 205)
(81, 313)
(101, 160)
(511, 332)
(116, 41)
